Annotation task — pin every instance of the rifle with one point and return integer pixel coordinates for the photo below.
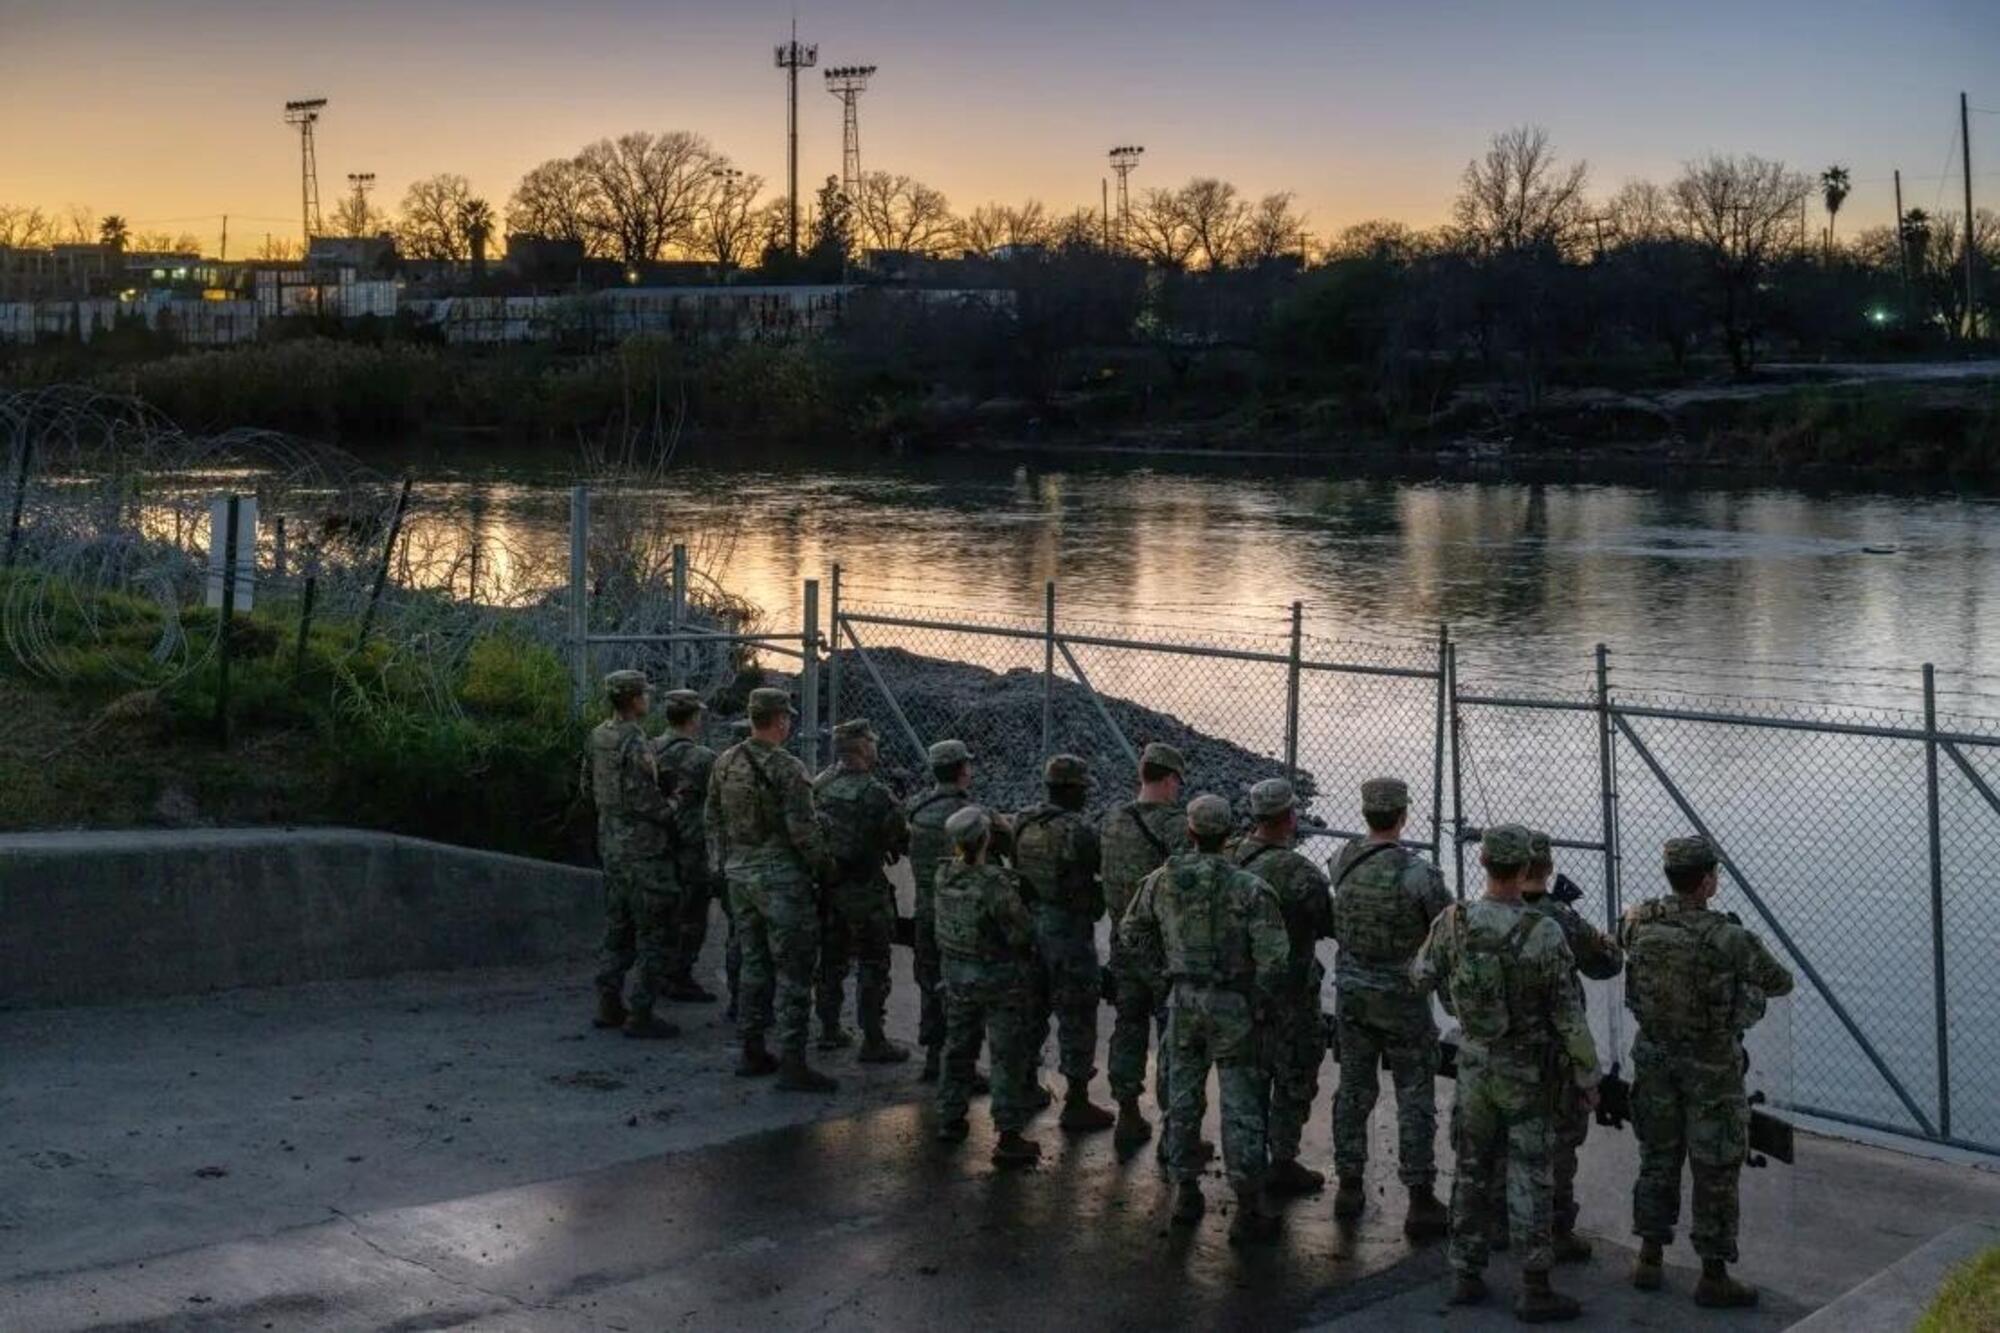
(1565, 889)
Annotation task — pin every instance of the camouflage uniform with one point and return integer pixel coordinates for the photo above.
(926, 814)
(865, 831)
(1213, 937)
(1136, 839)
(1383, 904)
(1696, 981)
(635, 825)
(1056, 852)
(987, 941)
(1507, 975)
(685, 764)
(1297, 1042)
(763, 833)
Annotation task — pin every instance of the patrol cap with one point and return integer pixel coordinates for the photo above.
(1270, 798)
(1384, 795)
(1540, 851)
(948, 752)
(1209, 815)
(766, 702)
(1163, 756)
(1507, 845)
(968, 825)
(855, 729)
(1066, 770)
(1692, 853)
(683, 702)
(622, 685)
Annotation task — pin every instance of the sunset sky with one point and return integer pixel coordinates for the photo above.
(168, 111)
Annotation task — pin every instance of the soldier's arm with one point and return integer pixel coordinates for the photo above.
(1597, 954)
(1318, 891)
(583, 788)
(1270, 943)
(1430, 970)
(1010, 913)
(801, 823)
(1139, 932)
(640, 775)
(1572, 1028)
(711, 815)
(1763, 970)
(1426, 886)
(895, 827)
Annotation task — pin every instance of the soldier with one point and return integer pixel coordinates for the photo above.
(865, 830)
(927, 814)
(1507, 975)
(1213, 937)
(684, 763)
(987, 941)
(1384, 899)
(763, 833)
(1056, 852)
(1297, 1042)
(1696, 980)
(1136, 839)
(635, 826)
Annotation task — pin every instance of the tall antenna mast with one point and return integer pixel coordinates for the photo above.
(847, 83)
(304, 113)
(792, 56)
(1124, 161)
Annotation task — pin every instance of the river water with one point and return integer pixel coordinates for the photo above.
(1760, 598)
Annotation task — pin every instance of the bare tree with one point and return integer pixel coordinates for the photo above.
(1378, 238)
(78, 226)
(1160, 230)
(727, 229)
(1216, 218)
(1080, 229)
(1274, 229)
(353, 215)
(554, 201)
(1518, 197)
(646, 191)
(432, 222)
(898, 213)
(25, 228)
(166, 242)
(1640, 211)
(279, 250)
(993, 227)
(1738, 212)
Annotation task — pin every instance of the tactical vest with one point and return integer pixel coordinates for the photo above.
(930, 847)
(1678, 982)
(853, 832)
(1048, 854)
(682, 758)
(1487, 986)
(965, 929)
(622, 828)
(1133, 846)
(1375, 918)
(753, 804)
(1201, 929)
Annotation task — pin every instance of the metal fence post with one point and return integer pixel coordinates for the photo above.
(579, 606)
(677, 618)
(20, 498)
(1292, 693)
(1457, 774)
(1437, 754)
(833, 650)
(1607, 778)
(278, 548)
(382, 573)
(809, 680)
(226, 621)
(1048, 667)
(1938, 998)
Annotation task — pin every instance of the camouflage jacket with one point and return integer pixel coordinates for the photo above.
(1383, 905)
(1200, 919)
(983, 926)
(1135, 839)
(1057, 852)
(1303, 898)
(1505, 972)
(684, 765)
(865, 828)
(759, 814)
(1694, 977)
(1596, 954)
(635, 818)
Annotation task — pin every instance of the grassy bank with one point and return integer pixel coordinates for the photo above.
(1969, 1301)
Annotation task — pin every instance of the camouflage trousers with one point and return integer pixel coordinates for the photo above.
(697, 892)
(1374, 1025)
(1569, 1127)
(1295, 1046)
(1142, 1012)
(929, 970)
(1688, 1106)
(641, 926)
(1501, 1131)
(1069, 988)
(777, 930)
(995, 1006)
(1208, 1025)
(856, 930)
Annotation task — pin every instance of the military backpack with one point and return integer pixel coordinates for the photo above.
(853, 832)
(1486, 984)
(1048, 853)
(1375, 919)
(1679, 983)
(1199, 931)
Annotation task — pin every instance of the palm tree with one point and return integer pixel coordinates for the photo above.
(1833, 188)
(113, 234)
(475, 219)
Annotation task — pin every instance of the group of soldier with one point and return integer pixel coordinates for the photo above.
(1212, 964)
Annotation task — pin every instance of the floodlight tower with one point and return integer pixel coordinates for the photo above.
(360, 182)
(847, 83)
(304, 113)
(791, 57)
(1124, 161)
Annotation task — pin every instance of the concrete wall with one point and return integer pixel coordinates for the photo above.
(103, 917)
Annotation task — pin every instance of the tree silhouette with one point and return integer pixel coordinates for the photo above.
(1834, 188)
(475, 220)
(113, 234)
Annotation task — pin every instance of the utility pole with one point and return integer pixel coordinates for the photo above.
(1902, 245)
(1971, 249)
(792, 57)
(224, 256)
(1104, 208)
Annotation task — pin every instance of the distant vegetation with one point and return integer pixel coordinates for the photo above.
(1970, 1299)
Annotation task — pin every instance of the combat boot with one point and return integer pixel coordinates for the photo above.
(1014, 1149)
(1039, 1096)
(1539, 1303)
(1646, 1274)
(757, 1059)
(933, 1058)
(1079, 1116)
(795, 1075)
(1133, 1127)
(834, 1037)
(953, 1131)
(689, 991)
(1571, 1248)
(641, 1023)
(877, 1049)
(1427, 1219)
(1468, 1289)
(1719, 1291)
(1350, 1198)
(1188, 1204)
(1289, 1180)
(981, 1085)
(1254, 1223)
(610, 1010)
